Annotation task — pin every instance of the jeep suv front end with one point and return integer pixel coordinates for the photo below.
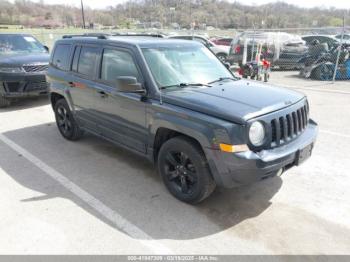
(289, 138)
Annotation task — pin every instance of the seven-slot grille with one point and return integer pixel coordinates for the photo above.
(287, 127)
(35, 68)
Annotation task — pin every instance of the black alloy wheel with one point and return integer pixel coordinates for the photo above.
(180, 172)
(184, 170)
(65, 121)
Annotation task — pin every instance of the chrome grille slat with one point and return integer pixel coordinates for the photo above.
(285, 129)
(35, 68)
(302, 119)
(291, 125)
(278, 133)
(281, 125)
(296, 124)
(299, 121)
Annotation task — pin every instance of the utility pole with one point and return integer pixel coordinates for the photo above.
(82, 13)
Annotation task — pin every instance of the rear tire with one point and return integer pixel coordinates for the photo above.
(65, 121)
(184, 170)
(4, 102)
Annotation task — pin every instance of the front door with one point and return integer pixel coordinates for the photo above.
(122, 116)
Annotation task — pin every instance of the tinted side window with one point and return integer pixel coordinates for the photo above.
(87, 61)
(117, 63)
(61, 56)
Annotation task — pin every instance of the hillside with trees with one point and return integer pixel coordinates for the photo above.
(171, 13)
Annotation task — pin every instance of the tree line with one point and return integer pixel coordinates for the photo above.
(170, 13)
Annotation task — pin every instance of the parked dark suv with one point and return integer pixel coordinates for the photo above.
(175, 103)
(23, 64)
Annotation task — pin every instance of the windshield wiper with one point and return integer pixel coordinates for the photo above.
(182, 85)
(222, 79)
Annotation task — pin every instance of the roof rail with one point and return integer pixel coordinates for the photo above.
(97, 35)
(140, 34)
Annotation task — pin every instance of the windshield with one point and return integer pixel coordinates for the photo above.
(184, 65)
(10, 44)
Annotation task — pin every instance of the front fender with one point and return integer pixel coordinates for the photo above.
(181, 124)
(209, 131)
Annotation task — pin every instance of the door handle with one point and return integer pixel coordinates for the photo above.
(102, 94)
(77, 85)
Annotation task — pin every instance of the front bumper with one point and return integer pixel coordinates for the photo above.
(23, 85)
(236, 169)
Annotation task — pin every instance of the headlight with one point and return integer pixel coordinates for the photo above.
(11, 70)
(257, 133)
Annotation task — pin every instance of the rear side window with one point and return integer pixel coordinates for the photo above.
(117, 63)
(61, 56)
(87, 61)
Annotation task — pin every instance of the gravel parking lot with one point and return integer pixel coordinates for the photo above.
(89, 197)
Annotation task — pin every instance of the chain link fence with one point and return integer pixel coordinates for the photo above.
(314, 53)
(317, 53)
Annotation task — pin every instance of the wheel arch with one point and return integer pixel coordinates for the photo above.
(170, 126)
(164, 134)
(54, 97)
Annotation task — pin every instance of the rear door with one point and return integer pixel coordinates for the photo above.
(121, 116)
(82, 84)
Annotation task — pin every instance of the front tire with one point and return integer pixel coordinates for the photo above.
(184, 170)
(65, 121)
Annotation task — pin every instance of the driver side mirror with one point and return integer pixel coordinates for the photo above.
(47, 48)
(129, 84)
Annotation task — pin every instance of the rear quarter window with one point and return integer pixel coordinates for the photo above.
(60, 58)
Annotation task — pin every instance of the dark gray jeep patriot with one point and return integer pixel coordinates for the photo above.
(176, 103)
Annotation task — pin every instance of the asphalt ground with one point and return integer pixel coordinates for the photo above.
(90, 197)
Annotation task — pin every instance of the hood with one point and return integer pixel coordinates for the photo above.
(24, 59)
(235, 101)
